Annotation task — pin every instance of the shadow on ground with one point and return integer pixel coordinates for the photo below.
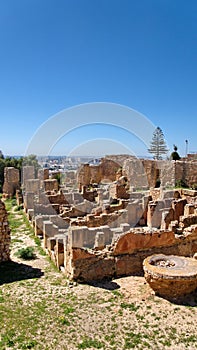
(105, 284)
(185, 300)
(11, 271)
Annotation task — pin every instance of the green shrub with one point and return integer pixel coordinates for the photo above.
(18, 207)
(180, 183)
(90, 343)
(26, 253)
(13, 201)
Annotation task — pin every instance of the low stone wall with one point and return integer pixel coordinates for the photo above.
(126, 258)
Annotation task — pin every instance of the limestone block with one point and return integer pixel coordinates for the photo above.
(43, 174)
(167, 218)
(39, 219)
(51, 185)
(30, 214)
(11, 181)
(108, 234)
(89, 267)
(59, 250)
(29, 201)
(28, 172)
(58, 221)
(132, 241)
(178, 207)
(154, 214)
(188, 209)
(126, 265)
(32, 185)
(77, 235)
(80, 254)
(50, 230)
(99, 240)
(189, 220)
(190, 233)
(125, 227)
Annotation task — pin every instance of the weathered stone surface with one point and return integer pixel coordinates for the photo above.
(51, 185)
(78, 254)
(92, 268)
(105, 171)
(4, 234)
(190, 233)
(142, 172)
(189, 209)
(189, 220)
(11, 182)
(178, 207)
(43, 174)
(28, 173)
(32, 185)
(171, 276)
(133, 241)
(29, 201)
(188, 192)
(126, 265)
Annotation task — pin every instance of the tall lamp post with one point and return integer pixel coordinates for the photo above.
(186, 147)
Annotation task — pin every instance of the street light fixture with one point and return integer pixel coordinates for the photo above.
(186, 148)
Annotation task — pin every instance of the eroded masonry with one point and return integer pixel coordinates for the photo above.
(4, 234)
(105, 219)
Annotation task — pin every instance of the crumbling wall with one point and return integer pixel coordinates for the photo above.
(190, 174)
(4, 234)
(126, 258)
(51, 185)
(28, 173)
(105, 171)
(11, 182)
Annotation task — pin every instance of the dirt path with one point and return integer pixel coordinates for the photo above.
(40, 309)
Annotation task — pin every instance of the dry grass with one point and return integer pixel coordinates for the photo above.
(40, 309)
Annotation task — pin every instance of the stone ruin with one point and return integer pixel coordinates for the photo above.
(107, 227)
(4, 234)
(11, 182)
(171, 276)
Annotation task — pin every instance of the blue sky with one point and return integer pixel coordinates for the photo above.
(58, 54)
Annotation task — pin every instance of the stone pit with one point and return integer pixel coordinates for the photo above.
(171, 276)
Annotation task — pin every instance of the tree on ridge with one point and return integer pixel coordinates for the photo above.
(174, 154)
(158, 145)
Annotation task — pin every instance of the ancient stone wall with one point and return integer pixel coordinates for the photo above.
(11, 181)
(51, 185)
(43, 174)
(4, 234)
(142, 172)
(190, 173)
(126, 258)
(105, 171)
(28, 173)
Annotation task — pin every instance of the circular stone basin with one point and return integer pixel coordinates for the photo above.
(170, 275)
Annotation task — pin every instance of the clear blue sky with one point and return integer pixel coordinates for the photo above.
(57, 54)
